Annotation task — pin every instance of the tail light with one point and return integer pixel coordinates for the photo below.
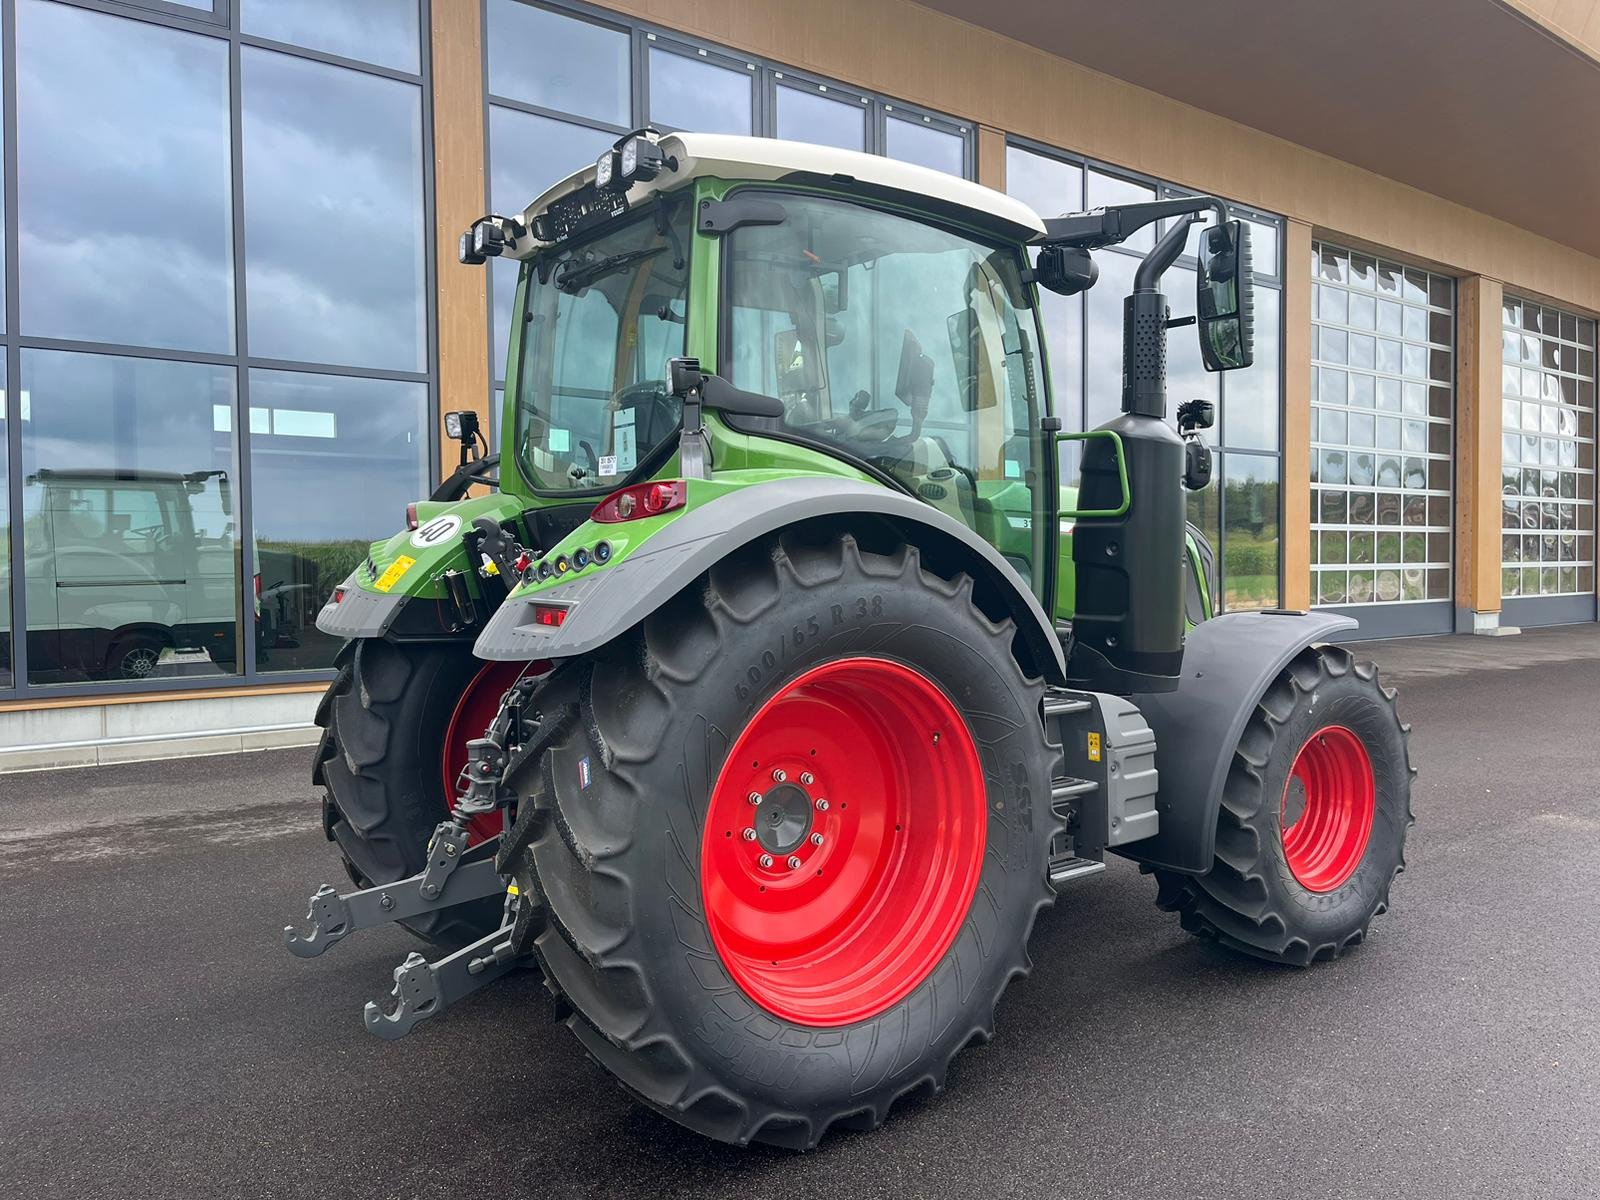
(552, 615)
(258, 587)
(640, 501)
(411, 515)
(338, 593)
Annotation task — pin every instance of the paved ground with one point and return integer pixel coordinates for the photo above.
(155, 1040)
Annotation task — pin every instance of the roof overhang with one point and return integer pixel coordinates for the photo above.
(1471, 100)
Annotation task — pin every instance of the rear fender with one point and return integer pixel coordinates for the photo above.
(605, 601)
(1228, 664)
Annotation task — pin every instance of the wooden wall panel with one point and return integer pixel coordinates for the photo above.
(1478, 445)
(1296, 487)
(459, 190)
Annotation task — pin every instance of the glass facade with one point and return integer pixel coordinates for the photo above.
(564, 82)
(1547, 468)
(218, 318)
(1241, 511)
(1383, 401)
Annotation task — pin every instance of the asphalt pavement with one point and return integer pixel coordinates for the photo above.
(157, 1040)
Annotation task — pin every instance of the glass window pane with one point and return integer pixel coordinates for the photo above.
(556, 61)
(527, 154)
(1047, 185)
(807, 116)
(926, 145)
(314, 438)
(1251, 399)
(1250, 532)
(699, 95)
(128, 518)
(1103, 351)
(125, 230)
(375, 31)
(333, 214)
(1106, 190)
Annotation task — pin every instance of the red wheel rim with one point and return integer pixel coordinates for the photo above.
(843, 842)
(1327, 809)
(474, 711)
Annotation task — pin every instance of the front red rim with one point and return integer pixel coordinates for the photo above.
(1327, 809)
(843, 842)
(474, 711)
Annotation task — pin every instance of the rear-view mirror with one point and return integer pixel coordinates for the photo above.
(1224, 297)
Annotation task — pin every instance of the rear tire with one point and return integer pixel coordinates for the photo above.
(627, 834)
(385, 718)
(1313, 822)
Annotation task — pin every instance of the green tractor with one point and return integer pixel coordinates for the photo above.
(779, 682)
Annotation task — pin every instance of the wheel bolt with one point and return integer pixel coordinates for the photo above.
(765, 860)
(755, 797)
(794, 862)
(816, 839)
(822, 805)
(807, 778)
(779, 775)
(749, 835)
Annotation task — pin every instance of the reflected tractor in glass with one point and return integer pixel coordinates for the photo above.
(771, 679)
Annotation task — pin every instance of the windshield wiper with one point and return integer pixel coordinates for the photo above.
(572, 278)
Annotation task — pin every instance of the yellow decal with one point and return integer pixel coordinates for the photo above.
(392, 576)
(1094, 747)
(511, 889)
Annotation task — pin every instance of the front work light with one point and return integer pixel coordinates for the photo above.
(488, 238)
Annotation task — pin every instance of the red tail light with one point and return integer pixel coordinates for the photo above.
(258, 587)
(411, 515)
(549, 614)
(640, 501)
(338, 593)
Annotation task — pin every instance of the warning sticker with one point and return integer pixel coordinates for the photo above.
(624, 441)
(1094, 747)
(392, 576)
(607, 465)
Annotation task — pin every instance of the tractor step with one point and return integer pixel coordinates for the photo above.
(333, 917)
(422, 990)
(1059, 702)
(1068, 867)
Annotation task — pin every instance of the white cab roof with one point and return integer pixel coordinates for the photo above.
(742, 158)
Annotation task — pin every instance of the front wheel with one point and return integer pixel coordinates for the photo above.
(789, 840)
(1313, 822)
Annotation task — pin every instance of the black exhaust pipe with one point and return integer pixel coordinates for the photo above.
(1127, 631)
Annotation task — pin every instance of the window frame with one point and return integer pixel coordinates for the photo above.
(223, 24)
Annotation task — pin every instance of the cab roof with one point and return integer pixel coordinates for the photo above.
(732, 157)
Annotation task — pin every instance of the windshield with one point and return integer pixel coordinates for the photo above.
(908, 346)
(601, 320)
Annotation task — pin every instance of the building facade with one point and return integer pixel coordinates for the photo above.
(232, 314)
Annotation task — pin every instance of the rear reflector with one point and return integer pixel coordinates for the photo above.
(640, 501)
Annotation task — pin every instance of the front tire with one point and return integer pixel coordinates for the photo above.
(1314, 816)
(765, 986)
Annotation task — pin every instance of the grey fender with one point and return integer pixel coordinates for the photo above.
(606, 601)
(1228, 664)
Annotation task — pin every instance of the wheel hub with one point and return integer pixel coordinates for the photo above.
(783, 819)
(1327, 809)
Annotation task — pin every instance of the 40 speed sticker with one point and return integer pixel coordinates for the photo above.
(436, 532)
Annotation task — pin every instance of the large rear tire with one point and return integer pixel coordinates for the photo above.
(395, 721)
(1315, 810)
(762, 969)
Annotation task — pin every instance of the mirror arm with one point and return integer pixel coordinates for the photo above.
(1155, 264)
(1117, 223)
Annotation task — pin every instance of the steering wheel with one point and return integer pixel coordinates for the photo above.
(655, 412)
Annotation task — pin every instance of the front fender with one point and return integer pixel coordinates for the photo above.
(607, 600)
(1228, 664)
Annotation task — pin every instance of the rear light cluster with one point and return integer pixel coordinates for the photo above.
(640, 501)
(551, 615)
(411, 516)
